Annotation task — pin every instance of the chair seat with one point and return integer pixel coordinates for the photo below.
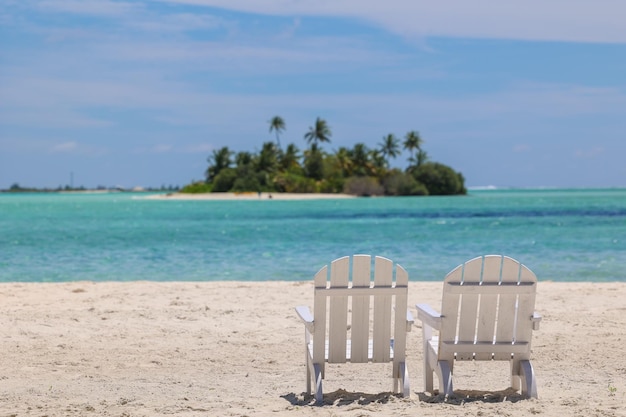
(370, 350)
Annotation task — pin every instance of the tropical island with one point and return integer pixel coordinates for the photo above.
(358, 171)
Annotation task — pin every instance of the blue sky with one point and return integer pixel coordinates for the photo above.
(138, 93)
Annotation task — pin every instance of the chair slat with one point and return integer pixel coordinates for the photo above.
(472, 273)
(399, 333)
(525, 308)
(361, 277)
(488, 308)
(338, 312)
(507, 308)
(383, 276)
(489, 348)
(319, 313)
(450, 310)
(487, 288)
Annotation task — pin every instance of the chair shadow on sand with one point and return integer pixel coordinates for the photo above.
(340, 397)
(461, 397)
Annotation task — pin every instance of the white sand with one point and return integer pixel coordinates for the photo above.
(233, 348)
(249, 196)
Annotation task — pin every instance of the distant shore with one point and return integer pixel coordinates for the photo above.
(249, 196)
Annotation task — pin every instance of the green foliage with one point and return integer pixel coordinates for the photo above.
(358, 170)
(363, 186)
(289, 182)
(320, 132)
(400, 183)
(439, 179)
(224, 181)
(314, 163)
(218, 161)
(277, 124)
(197, 188)
(247, 183)
(390, 146)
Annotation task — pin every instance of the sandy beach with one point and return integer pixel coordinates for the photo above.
(236, 349)
(249, 196)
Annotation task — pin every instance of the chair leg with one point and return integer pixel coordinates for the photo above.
(404, 378)
(428, 370)
(444, 372)
(515, 374)
(308, 375)
(319, 396)
(529, 383)
(428, 373)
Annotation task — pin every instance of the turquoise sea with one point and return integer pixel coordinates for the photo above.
(562, 235)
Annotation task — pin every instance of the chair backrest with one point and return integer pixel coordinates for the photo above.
(487, 307)
(353, 304)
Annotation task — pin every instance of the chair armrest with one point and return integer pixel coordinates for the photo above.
(409, 320)
(428, 316)
(305, 315)
(536, 318)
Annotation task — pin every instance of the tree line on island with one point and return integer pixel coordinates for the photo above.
(358, 170)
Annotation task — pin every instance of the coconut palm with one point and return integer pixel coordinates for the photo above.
(378, 162)
(290, 158)
(412, 142)
(267, 159)
(344, 161)
(360, 159)
(219, 160)
(314, 162)
(318, 133)
(243, 158)
(277, 124)
(390, 146)
(422, 157)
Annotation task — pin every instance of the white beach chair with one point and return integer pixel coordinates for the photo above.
(487, 314)
(354, 316)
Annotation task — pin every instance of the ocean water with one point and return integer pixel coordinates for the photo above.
(562, 235)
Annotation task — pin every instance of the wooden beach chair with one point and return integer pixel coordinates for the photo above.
(487, 314)
(358, 317)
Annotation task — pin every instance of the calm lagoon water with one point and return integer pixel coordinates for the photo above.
(562, 235)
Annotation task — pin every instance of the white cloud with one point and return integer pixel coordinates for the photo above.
(181, 22)
(73, 147)
(198, 148)
(554, 20)
(89, 7)
(65, 147)
(162, 148)
(590, 153)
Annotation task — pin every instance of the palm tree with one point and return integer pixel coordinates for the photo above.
(277, 124)
(290, 158)
(360, 159)
(412, 141)
(319, 133)
(314, 162)
(243, 158)
(267, 159)
(344, 162)
(378, 162)
(390, 146)
(219, 160)
(422, 157)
